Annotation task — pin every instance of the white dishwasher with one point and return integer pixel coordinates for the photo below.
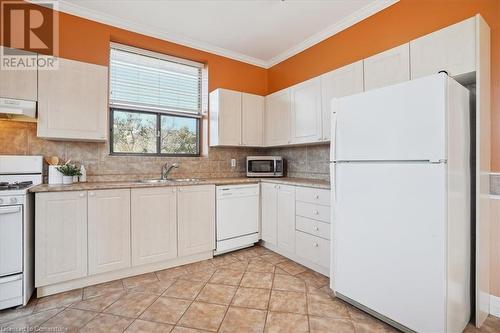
(237, 217)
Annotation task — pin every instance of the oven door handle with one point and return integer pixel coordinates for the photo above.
(10, 210)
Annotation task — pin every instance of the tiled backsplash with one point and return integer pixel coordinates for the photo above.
(19, 138)
(305, 161)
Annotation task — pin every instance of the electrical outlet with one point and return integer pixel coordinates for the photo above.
(233, 163)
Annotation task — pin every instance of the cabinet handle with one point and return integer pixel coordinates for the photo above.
(316, 245)
(279, 186)
(316, 228)
(317, 196)
(316, 212)
(91, 194)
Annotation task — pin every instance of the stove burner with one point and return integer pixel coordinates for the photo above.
(14, 186)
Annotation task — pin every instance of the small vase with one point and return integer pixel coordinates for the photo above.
(67, 180)
(75, 179)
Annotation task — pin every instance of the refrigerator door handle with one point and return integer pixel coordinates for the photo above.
(333, 182)
(333, 140)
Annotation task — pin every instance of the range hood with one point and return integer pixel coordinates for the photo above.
(17, 109)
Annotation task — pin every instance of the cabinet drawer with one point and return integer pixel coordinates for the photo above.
(313, 248)
(11, 289)
(313, 227)
(313, 211)
(313, 195)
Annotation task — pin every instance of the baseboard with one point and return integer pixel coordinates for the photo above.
(495, 306)
(42, 291)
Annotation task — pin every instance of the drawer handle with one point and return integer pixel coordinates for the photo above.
(316, 228)
(316, 212)
(317, 196)
(316, 244)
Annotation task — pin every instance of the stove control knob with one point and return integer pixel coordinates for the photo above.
(13, 200)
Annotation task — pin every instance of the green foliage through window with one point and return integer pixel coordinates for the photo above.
(154, 133)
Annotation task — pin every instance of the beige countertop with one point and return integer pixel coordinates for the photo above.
(214, 181)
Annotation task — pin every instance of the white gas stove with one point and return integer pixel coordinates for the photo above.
(17, 175)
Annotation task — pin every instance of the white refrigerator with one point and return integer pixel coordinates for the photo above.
(401, 203)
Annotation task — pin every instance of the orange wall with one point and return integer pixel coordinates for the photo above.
(85, 40)
(398, 24)
(88, 41)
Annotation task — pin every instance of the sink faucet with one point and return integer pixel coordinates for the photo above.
(165, 169)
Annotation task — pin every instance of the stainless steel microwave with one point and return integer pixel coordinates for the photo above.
(265, 166)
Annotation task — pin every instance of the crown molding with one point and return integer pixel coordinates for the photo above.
(357, 16)
(80, 11)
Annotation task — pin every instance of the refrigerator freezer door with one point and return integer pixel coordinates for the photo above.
(389, 239)
(406, 121)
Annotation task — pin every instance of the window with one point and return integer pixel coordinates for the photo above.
(155, 103)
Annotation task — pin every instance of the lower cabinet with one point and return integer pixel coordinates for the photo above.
(61, 237)
(296, 223)
(108, 230)
(278, 216)
(82, 234)
(154, 225)
(196, 219)
(269, 204)
(286, 217)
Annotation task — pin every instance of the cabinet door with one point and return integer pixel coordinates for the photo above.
(269, 206)
(19, 84)
(72, 101)
(196, 219)
(343, 81)
(452, 49)
(225, 118)
(286, 217)
(277, 118)
(154, 225)
(252, 111)
(306, 111)
(60, 237)
(109, 230)
(387, 68)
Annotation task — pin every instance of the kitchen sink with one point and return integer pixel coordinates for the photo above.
(154, 181)
(186, 180)
(161, 181)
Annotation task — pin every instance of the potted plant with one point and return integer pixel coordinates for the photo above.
(68, 171)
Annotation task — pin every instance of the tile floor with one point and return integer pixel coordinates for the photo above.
(248, 291)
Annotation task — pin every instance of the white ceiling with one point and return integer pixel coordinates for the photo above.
(260, 32)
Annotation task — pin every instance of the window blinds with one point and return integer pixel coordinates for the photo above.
(152, 82)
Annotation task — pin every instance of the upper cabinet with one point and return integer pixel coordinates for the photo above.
(73, 102)
(306, 111)
(225, 118)
(387, 68)
(344, 81)
(252, 120)
(277, 119)
(452, 49)
(19, 84)
(235, 118)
